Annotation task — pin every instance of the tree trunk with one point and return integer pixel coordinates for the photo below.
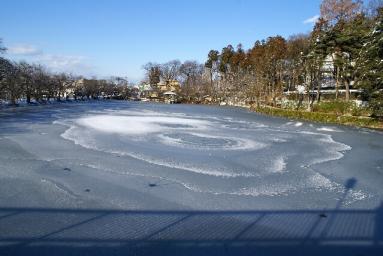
(319, 92)
(300, 100)
(309, 91)
(347, 84)
(337, 83)
(211, 83)
(13, 100)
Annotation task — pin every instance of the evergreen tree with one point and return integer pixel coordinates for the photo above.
(370, 62)
(345, 41)
(370, 65)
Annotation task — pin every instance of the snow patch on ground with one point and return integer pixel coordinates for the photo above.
(327, 129)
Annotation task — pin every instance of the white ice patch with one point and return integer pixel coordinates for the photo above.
(319, 181)
(139, 125)
(58, 188)
(356, 195)
(279, 165)
(328, 129)
(269, 190)
(334, 149)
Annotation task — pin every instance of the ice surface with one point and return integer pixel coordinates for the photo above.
(95, 175)
(208, 151)
(209, 145)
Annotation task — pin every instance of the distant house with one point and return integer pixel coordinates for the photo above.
(165, 91)
(145, 91)
(327, 83)
(170, 97)
(135, 93)
(170, 85)
(69, 92)
(85, 82)
(173, 86)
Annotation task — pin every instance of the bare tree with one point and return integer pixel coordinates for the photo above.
(191, 72)
(373, 7)
(336, 10)
(170, 70)
(41, 81)
(26, 73)
(12, 83)
(153, 73)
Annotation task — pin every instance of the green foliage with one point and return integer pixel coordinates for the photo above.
(321, 117)
(376, 104)
(370, 64)
(334, 107)
(212, 58)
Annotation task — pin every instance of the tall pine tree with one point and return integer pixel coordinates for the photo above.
(370, 65)
(370, 62)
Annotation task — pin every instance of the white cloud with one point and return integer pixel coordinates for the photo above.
(26, 50)
(311, 20)
(61, 61)
(75, 64)
(67, 63)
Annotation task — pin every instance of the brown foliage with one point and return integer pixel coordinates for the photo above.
(336, 10)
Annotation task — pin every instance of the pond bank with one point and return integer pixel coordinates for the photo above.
(321, 117)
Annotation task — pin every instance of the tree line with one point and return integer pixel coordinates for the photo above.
(346, 35)
(34, 83)
(345, 47)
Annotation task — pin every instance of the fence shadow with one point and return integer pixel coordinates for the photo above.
(39, 231)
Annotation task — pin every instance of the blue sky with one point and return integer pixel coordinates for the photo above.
(116, 37)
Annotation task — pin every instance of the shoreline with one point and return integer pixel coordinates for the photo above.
(299, 115)
(321, 117)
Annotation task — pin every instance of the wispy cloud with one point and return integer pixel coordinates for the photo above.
(311, 20)
(24, 50)
(75, 64)
(61, 62)
(67, 63)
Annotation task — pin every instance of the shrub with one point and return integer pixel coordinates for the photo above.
(376, 104)
(335, 107)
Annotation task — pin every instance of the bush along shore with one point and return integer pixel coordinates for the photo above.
(331, 116)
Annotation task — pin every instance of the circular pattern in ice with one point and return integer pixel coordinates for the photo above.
(213, 154)
(182, 132)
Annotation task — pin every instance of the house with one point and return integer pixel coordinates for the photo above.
(170, 97)
(165, 91)
(328, 84)
(135, 93)
(173, 86)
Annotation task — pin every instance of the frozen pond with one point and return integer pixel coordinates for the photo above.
(129, 156)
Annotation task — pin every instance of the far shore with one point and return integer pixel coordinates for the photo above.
(300, 115)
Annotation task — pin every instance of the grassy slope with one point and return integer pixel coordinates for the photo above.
(321, 117)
